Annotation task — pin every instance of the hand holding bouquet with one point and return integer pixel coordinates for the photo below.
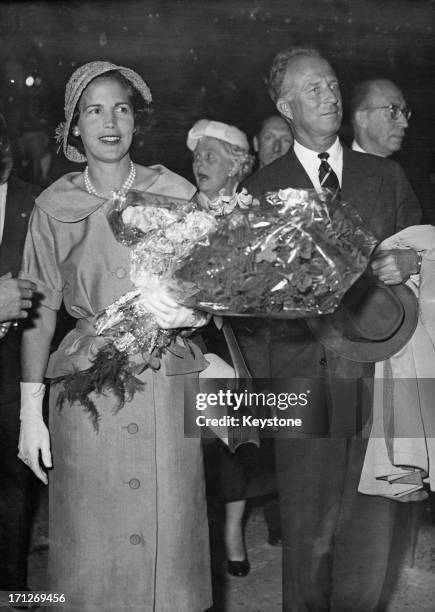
(158, 230)
(295, 259)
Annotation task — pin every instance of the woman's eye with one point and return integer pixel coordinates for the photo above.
(123, 109)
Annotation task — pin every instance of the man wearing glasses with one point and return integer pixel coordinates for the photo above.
(379, 117)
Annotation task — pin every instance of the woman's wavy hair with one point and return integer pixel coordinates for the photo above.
(242, 160)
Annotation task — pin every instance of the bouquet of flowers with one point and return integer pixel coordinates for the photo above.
(159, 230)
(296, 258)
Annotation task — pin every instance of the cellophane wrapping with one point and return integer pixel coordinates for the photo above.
(295, 257)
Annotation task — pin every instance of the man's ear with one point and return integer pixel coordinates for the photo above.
(361, 119)
(284, 108)
(255, 144)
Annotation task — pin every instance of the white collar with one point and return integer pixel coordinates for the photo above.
(3, 194)
(311, 162)
(335, 150)
(356, 147)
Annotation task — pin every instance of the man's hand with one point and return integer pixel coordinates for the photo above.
(15, 297)
(395, 266)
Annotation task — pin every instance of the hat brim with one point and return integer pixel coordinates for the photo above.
(326, 331)
(78, 83)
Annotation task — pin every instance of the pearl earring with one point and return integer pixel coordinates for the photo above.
(76, 131)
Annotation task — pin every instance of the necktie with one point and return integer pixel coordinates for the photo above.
(328, 178)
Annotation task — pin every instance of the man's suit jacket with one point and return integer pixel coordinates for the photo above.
(19, 203)
(376, 187)
(380, 192)
(58, 166)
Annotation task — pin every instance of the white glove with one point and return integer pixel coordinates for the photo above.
(34, 436)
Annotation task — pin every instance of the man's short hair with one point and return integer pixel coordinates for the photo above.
(279, 68)
(360, 95)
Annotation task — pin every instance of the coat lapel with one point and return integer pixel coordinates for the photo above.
(18, 208)
(298, 178)
(360, 186)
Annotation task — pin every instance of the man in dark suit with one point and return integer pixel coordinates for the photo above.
(379, 117)
(336, 541)
(40, 165)
(16, 203)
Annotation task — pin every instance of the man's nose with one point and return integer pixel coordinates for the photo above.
(331, 94)
(277, 145)
(403, 121)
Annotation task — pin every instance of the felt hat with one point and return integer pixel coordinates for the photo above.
(216, 129)
(79, 80)
(372, 323)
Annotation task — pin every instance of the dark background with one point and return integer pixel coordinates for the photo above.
(210, 59)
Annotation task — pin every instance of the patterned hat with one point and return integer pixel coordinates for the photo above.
(74, 89)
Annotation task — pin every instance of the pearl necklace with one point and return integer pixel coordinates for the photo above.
(128, 184)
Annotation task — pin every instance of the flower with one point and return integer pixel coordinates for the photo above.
(225, 204)
(293, 259)
(159, 232)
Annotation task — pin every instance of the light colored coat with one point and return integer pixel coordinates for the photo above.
(128, 524)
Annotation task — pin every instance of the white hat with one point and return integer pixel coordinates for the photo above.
(216, 129)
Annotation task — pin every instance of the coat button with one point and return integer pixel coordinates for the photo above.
(132, 428)
(322, 362)
(120, 272)
(135, 539)
(134, 483)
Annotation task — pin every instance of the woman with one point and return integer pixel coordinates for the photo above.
(221, 160)
(128, 527)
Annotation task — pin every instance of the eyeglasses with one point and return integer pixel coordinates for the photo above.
(394, 109)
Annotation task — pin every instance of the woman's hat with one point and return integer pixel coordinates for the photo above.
(216, 129)
(372, 323)
(79, 80)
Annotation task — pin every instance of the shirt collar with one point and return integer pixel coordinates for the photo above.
(311, 162)
(356, 147)
(335, 152)
(3, 194)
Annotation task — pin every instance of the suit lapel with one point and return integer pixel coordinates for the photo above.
(360, 185)
(299, 179)
(18, 208)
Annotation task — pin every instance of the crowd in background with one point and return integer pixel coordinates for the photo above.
(222, 159)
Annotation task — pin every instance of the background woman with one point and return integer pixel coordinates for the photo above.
(128, 527)
(221, 160)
